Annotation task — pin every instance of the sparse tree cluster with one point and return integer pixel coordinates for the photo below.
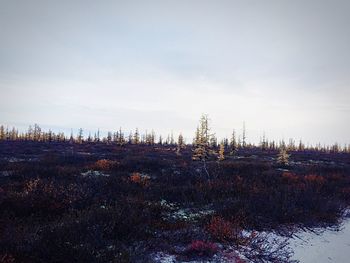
(205, 143)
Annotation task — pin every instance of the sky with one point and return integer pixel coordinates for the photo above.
(282, 67)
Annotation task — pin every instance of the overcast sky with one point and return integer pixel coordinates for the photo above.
(283, 67)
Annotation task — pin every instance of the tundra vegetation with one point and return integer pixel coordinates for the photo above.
(138, 198)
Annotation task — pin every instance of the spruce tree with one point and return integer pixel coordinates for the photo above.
(181, 141)
(283, 156)
(233, 144)
(2, 133)
(202, 140)
(136, 139)
(80, 136)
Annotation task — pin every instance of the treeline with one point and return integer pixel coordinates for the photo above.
(35, 133)
(203, 140)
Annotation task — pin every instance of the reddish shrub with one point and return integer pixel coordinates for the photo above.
(335, 177)
(104, 164)
(140, 179)
(202, 248)
(315, 179)
(32, 185)
(221, 229)
(290, 177)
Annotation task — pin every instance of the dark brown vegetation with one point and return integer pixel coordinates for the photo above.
(99, 202)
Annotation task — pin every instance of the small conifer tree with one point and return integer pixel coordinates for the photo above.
(233, 144)
(221, 155)
(2, 133)
(201, 142)
(136, 139)
(283, 156)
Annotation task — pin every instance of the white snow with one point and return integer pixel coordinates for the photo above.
(328, 246)
(91, 173)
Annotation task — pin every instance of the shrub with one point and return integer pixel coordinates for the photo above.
(290, 177)
(315, 179)
(201, 248)
(32, 185)
(139, 178)
(104, 164)
(223, 230)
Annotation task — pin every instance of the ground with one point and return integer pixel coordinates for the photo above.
(97, 202)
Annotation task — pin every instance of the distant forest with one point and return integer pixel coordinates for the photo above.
(203, 136)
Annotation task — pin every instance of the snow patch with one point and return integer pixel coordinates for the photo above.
(91, 173)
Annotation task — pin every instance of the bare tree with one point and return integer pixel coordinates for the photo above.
(244, 136)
